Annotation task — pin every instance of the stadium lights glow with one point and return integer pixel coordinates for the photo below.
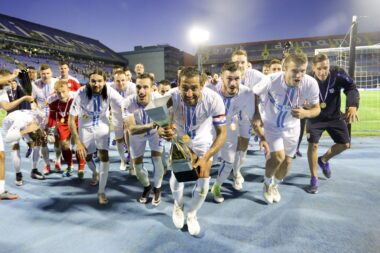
(198, 35)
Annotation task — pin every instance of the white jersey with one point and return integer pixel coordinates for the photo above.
(278, 99)
(3, 96)
(94, 111)
(214, 87)
(18, 120)
(117, 118)
(196, 121)
(131, 107)
(240, 106)
(41, 92)
(252, 77)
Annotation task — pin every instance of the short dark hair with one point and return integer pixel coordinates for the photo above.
(274, 61)
(64, 63)
(319, 58)
(164, 82)
(44, 67)
(145, 76)
(239, 52)
(230, 66)
(190, 72)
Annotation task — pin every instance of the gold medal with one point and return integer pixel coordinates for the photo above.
(62, 120)
(186, 138)
(323, 105)
(233, 126)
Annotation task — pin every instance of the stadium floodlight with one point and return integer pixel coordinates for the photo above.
(199, 36)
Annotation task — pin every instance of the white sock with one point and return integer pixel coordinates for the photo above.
(238, 161)
(163, 157)
(199, 195)
(16, 160)
(2, 186)
(268, 180)
(177, 190)
(91, 165)
(158, 171)
(276, 181)
(36, 157)
(103, 176)
(223, 172)
(45, 154)
(142, 174)
(120, 150)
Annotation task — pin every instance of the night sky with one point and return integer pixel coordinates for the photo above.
(123, 24)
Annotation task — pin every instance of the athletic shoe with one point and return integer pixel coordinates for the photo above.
(298, 153)
(276, 193)
(132, 171)
(35, 174)
(19, 181)
(57, 166)
(177, 216)
(102, 199)
(325, 167)
(123, 166)
(68, 172)
(268, 193)
(157, 196)
(46, 169)
(238, 182)
(94, 179)
(80, 174)
(313, 187)
(28, 152)
(215, 190)
(144, 196)
(8, 196)
(193, 225)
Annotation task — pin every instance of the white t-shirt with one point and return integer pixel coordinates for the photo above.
(94, 112)
(242, 105)
(278, 99)
(41, 92)
(131, 107)
(130, 89)
(3, 96)
(252, 77)
(197, 121)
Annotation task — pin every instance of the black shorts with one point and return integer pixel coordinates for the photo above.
(337, 129)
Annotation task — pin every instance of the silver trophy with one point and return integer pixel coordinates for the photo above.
(180, 155)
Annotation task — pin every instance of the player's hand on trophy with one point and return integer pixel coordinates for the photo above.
(167, 132)
(16, 72)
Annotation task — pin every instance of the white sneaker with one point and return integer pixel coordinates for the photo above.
(193, 225)
(276, 193)
(123, 166)
(215, 190)
(178, 217)
(238, 182)
(268, 193)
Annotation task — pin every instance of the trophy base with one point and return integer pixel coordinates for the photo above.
(186, 176)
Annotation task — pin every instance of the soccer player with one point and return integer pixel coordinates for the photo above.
(250, 77)
(238, 100)
(195, 111)
(275, 66)
(285, 93)
(124, 88)
(265, 70)
(73, 83)
(58, 124)
(91, 107)
(5, 77)
(42, 89)
(331, 81)
(142, 130)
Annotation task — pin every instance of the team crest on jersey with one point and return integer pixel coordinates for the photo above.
(331, 90)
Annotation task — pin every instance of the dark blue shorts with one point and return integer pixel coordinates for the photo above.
(337, 129)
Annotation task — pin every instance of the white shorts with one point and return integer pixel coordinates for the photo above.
(200, 148)
(138, 143)
(119, 132)
(228, 150)
(245, 130)
(282, 139)
(95, 138)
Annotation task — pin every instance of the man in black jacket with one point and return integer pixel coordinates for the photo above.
(331, 81)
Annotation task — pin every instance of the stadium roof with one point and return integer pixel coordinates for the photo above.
(22, 31)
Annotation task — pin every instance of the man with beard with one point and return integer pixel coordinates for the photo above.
(142, 130)
(195, 110)
(285, 93)
(239, 102)
(91, 108)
